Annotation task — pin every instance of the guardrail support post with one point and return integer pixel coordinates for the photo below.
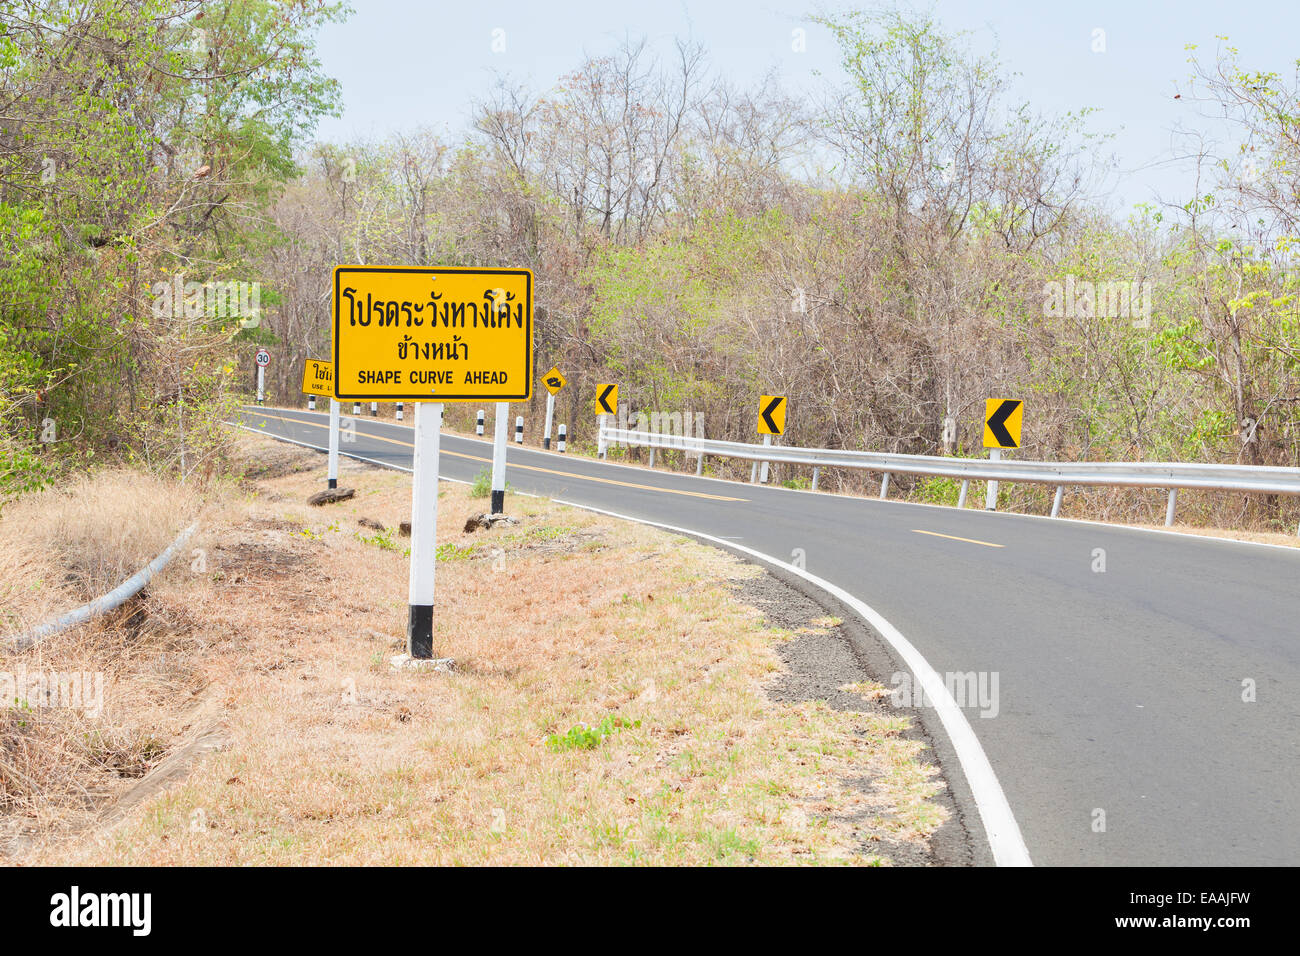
(884, 486)
(699, 464)
(652, 450)
(767, 442)
(961, 498)
(816, 474)
(1169, 509)
(1056, 502)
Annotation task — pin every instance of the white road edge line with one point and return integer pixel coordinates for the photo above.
(1000, 825)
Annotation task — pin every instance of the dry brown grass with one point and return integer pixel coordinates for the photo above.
(63, 547)
(568, 619)
(60, 759)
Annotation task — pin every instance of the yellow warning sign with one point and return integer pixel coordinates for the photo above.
(554, 381)
(318, 378)
(771, 415)
(433, 335)
(1002, 420)
(606, 399)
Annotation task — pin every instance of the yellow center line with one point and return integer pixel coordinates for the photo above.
(548, 471)
(953, 537)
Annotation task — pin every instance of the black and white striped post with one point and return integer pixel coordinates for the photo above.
(356, 408)
(424, 530)
(311, 403)
(478, 425)
(400, 413)
(334, 444)
(374, 409)
(499, 458)
(519, 430)
(560, 443)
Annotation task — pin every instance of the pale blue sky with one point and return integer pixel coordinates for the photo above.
(405, 63)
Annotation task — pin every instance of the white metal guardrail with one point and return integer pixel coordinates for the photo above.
(1141, 474)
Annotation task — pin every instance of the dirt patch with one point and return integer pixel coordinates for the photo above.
(276, 461)
(823, 664)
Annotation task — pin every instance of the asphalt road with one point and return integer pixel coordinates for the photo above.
(1119, 692)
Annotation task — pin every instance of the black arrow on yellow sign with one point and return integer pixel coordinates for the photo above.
(997, 424)
(608, 406)
(773, 426)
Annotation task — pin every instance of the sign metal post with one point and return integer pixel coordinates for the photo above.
(428, 336)
(499, 458)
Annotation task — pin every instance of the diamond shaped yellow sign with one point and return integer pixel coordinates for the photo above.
(433, 335)
(554, 381)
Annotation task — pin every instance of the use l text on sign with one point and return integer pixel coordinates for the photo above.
(433, 335)
(318, 378)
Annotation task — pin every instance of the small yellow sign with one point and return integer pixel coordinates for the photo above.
(318, 378)
(771, 415)
(433, 335)
(1002, 421)
(554, 381)
(606, 399)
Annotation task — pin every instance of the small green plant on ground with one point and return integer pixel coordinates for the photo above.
(453, 552)
(582, 737)
(380, 539)
(937, 490)
(481, 486)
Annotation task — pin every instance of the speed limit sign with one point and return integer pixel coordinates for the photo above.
(263, 358)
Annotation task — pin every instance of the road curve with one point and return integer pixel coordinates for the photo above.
(1122, 733)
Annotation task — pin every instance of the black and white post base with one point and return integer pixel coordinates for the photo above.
(424, 543)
